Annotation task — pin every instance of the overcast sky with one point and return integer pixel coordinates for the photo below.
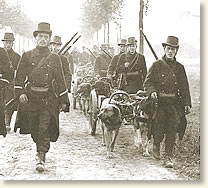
(164, 17)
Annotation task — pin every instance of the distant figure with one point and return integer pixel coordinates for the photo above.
(14, 58)
(55, 45)
(84, 56)
(132, 68)
(6, 77)
(101, 63)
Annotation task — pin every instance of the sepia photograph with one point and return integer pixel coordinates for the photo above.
(100, 90)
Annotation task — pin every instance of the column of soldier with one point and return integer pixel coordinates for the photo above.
(37, 85)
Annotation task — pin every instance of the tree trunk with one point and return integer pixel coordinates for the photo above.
(141, 41)
(104, 32)
(108, 32)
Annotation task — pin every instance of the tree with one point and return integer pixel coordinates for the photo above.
(14, 17)
(97, 13)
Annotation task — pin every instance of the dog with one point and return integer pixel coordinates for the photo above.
(83, 96)
(110, 117)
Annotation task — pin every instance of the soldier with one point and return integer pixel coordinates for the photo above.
(39, 106)
(55, 45)
(132, 68)
(14, 58)
(167, 81)
(6, 76)
(113, 64)
(84, 56)
(101, 63)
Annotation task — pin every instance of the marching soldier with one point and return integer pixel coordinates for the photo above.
(132, 68)
(167, 82)
(55, 47)
(39, 106)
(113, 64)
(6, 77)
(14, 58)
(83, 56)
(101, 63)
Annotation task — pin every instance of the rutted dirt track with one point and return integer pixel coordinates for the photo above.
(79, 156)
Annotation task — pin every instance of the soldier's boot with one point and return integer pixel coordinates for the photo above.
(169, 162)
(8, 117)
(156, 151)
(40, 157)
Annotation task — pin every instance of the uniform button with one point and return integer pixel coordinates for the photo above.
(162, 83)
(140, 70)
(175, 82)
(162, 75)
(173, 74)
(163, 91)
(33, 63)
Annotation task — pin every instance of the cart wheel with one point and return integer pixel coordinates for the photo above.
(93, 111)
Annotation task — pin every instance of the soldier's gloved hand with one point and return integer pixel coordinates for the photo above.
(154, 95)
(187, 110)
(23, 99)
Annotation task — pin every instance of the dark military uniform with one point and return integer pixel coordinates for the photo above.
(6, 76)
(113, 65)
(83, 57)
(9, 91)
(67, 71)
(134, 74)
(101, 65)
(40, 117)
(169, 80)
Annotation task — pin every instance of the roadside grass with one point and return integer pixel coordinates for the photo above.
(188, 151)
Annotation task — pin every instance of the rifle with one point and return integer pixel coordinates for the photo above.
(106, 53)
(150, 46)
(91, 53)
(71, 45)
(62, 49)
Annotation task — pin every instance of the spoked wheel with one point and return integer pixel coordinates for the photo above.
(93, 112)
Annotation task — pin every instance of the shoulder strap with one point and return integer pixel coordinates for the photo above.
(133, 62)
(42, 62)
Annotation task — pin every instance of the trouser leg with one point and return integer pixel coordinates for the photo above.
(43, 140)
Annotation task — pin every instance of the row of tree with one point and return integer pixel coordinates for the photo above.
(98, 14)
(13, 16)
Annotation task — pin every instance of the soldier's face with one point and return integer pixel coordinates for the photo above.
(43, 39)
(170, 51)
(122, 48)
(8, 45)
(55, 47)
(132, 48)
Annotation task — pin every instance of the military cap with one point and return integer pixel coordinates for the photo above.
(8, 37)
(171, 41)
(43, 27)
(56, 40)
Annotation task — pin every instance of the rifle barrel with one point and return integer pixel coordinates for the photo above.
(71, 45)
(62, 49)
(150, 46)
(106, 52)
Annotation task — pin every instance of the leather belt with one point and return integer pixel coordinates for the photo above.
(39, 89)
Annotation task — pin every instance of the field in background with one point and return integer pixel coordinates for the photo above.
(188, 152)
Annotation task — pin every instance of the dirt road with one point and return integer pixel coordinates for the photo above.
(79, 156)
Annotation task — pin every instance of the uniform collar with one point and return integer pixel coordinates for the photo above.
(40, 51)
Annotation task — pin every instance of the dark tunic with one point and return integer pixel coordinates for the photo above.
(169, 78)
(43, 77)
(135, 74)
(101, 65)
(6, 76)
(113, 64)
(14, 59)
